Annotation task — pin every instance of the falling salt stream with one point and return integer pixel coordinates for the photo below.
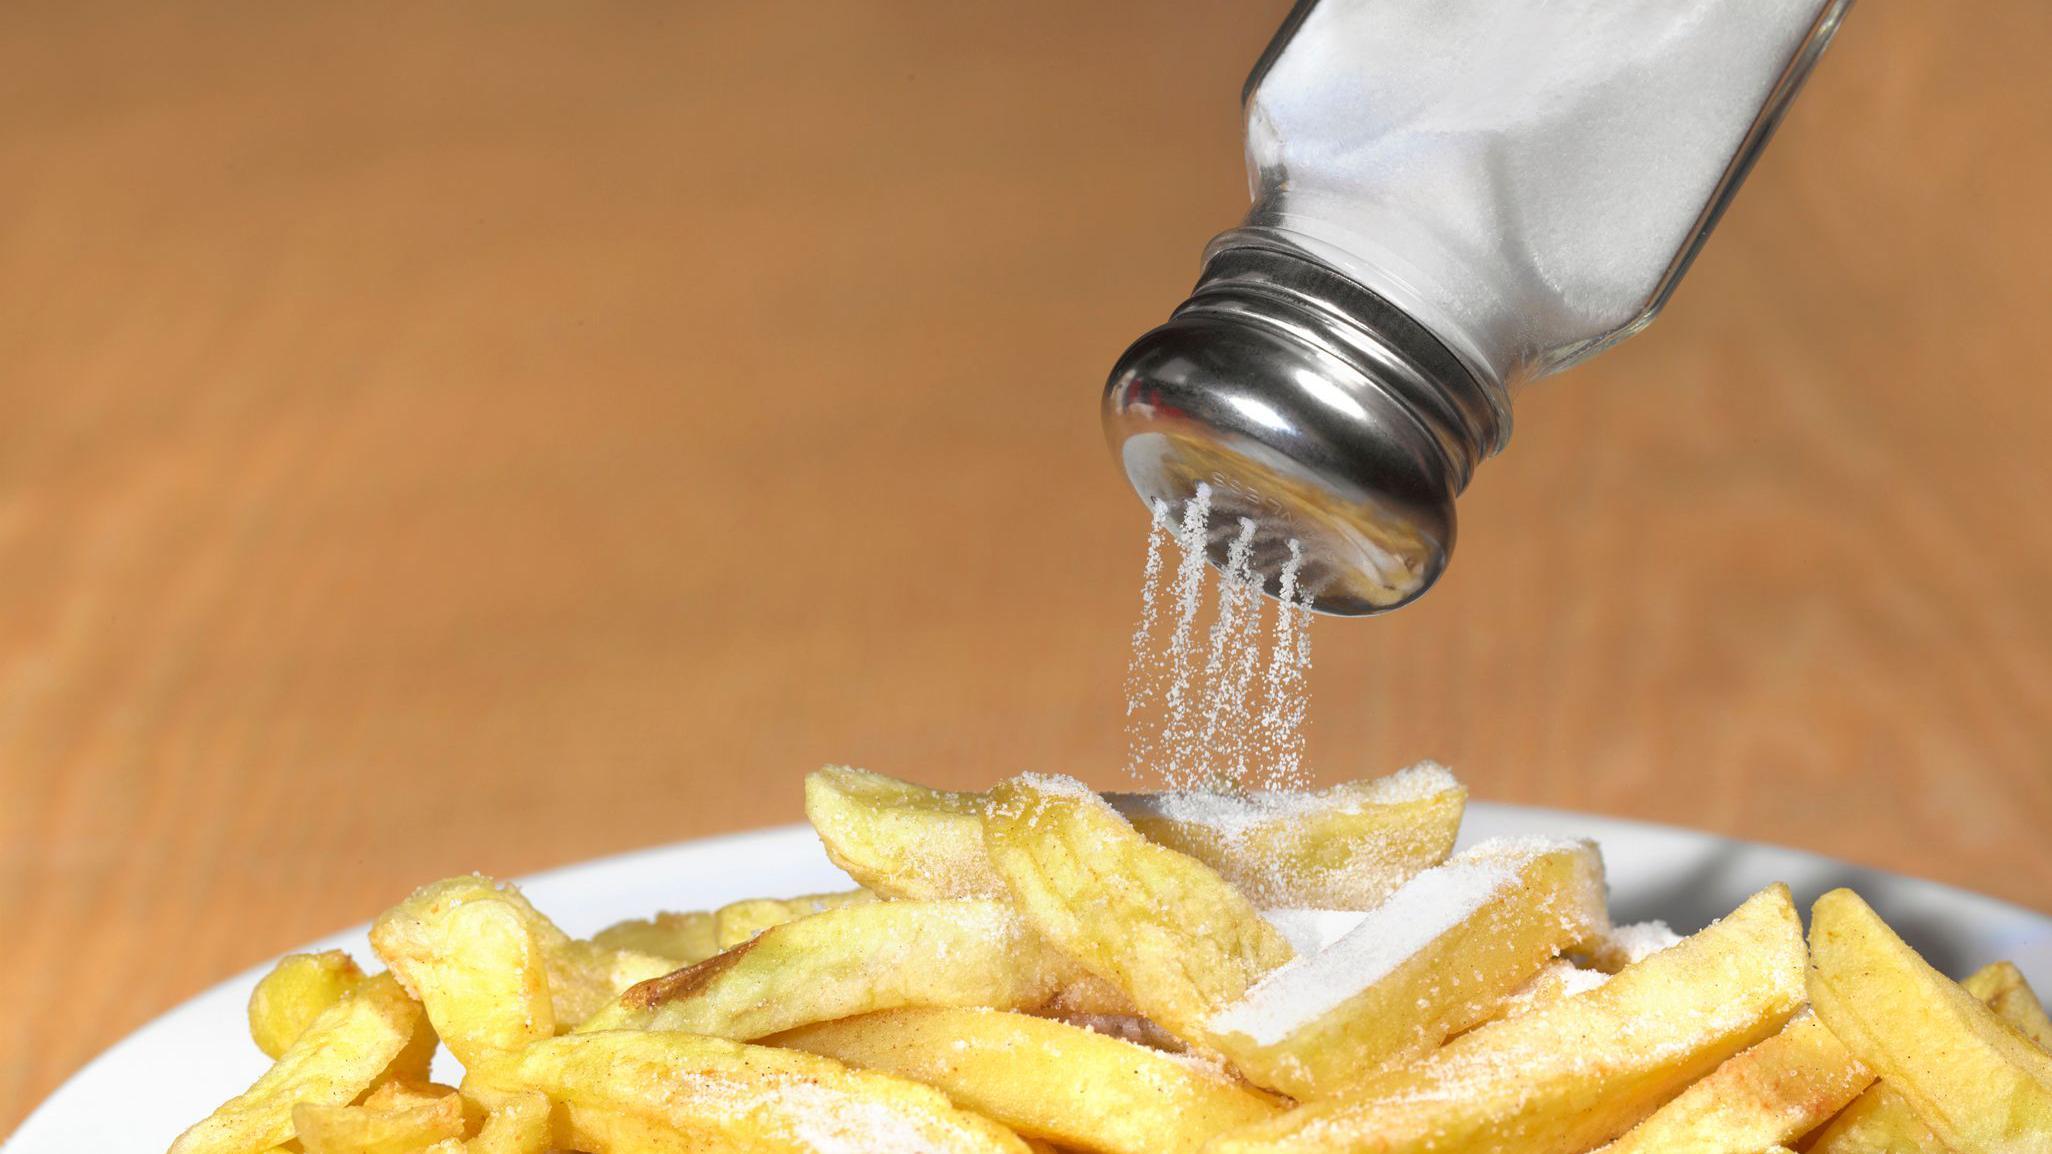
(1231, 721)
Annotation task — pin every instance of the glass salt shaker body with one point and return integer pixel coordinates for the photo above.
(1450, 199)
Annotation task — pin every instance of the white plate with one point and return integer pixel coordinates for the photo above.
(138, 1095)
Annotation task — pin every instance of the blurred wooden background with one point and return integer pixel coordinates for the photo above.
(481, 436)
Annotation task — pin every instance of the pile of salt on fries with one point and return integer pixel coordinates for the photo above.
(1041, 968)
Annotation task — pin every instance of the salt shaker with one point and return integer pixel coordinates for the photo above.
(1451, 198)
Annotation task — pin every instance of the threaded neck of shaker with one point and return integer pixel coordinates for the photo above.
(1258, 276)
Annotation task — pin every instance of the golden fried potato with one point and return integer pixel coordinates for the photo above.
(296, 991)
(1344, 848)
(396, 1125)
(631, 1092)
(1160, 925)
(335, 1059)
(852, 960)
(1432, 961)
(585, 977)
(468, 948)
(737, 922)
(901, 840)
(2002, 988)
(516, 1124)
(1777, 1091)
(1877, 1122)
(1578, 1073)
(1880, 1122)
(1347, 847)
(1084, 994)
(433, 929)
(1078, 1089)
(1978, 1083)
(683, 938)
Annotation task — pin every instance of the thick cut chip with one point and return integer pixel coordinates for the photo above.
(1344, 848)
(517, 1124)
(335, 1059)
(630, 1092)
(899, 839)
(1160, 925)
(683, 938)
(504, 974)
(1078, 1089)
(298, 989)
(585, 977)
(391, 1127)
(737, 922)
(1347, 847)
(1435, 959)
(470, 951)
(1775, 1092)
(2003, 989)
(1575, 1074)
(1977, 1082)
(853, 960)
(1878, 1122)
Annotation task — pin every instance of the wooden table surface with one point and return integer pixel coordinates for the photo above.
(482, 436)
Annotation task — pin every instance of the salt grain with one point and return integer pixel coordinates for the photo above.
(1230, 721)
(1311, 931)
(1637, 942)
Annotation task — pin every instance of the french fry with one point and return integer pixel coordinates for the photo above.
(685, 939)
(337, 1057)
(1159, 925)
(1434, 960)
(1578, 1073)
(1078, 1089)
(494, 959)
(901, 840)
(2002, 988)
(385, 1127)
(296, 991)
(1344, 848)
(1777, 1091)
(469, 950)
(517, 1124)
(1877, 1122)
(1880, 1122)
(1977, 1082)
(585, 977)
(636, 1092)
(852, 960)
(737, 922)
(1347, 847)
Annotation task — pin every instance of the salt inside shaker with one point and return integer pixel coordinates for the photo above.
(1451, 198)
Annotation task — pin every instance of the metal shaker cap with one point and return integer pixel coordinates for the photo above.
(1312, 407)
